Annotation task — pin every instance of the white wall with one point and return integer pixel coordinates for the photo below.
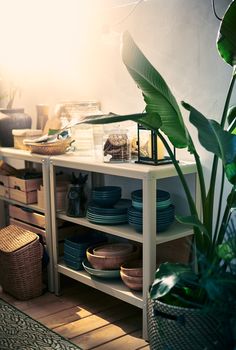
(70, 49)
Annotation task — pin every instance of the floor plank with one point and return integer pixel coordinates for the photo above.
(127, 342)
(86, 324)
(89, 318)
(107, 333)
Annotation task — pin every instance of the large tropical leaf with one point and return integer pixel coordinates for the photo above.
(216, 140)
(110, 118)
(231, 113)
(226, 42)
(148, 120)
(167, 276)
(157, 95)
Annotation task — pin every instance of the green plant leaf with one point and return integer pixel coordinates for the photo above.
(157, 95)
(226, 250)
(216, 140)
(221, 289)
(167, 276)
(112, 118)
(226, 42)
(231, 114)
(192, 220)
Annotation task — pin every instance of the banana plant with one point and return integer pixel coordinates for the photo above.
(163, 115)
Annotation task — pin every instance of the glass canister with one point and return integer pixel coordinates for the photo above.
(83, 134)
(116, 146)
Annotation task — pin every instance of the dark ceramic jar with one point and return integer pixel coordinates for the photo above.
(12, 119)
(76, 201)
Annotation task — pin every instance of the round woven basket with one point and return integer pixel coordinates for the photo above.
(54, 148)
(178, 328)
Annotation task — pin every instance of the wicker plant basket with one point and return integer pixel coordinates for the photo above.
(21, 262)
(178, 328)
(54, 148)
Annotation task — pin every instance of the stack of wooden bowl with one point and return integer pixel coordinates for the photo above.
(131, 274)
(111, 256)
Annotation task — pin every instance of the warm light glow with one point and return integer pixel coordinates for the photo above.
(40, 36)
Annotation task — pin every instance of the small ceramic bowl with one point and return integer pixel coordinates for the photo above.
(133, 268)
(113, 249)
(135, 283)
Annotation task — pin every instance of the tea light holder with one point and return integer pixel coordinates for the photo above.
(152, 152)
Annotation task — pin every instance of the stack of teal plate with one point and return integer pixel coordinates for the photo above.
(114, 215)
(105, 196)
(75, 248)
(165, 211)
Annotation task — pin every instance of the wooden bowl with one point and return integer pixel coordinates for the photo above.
(113, 262)
(134, 283)
(113, 249)
(133, 268)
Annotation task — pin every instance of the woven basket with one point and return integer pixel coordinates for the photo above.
(21, 262)
(178, 328)
(54, 148)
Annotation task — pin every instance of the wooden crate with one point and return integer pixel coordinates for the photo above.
(60, 199)
(23, 196)
(28, 216)
(4, 180)
(25, 185)
(4, 191)
(175, 251)
(61, 192)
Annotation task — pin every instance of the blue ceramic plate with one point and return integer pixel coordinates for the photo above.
(160, 195)
(100, 273)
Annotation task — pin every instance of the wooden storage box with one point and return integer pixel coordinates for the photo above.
(175, 251)
(28, 216)
(25, 185)
(61, 191)
(24, 191)
(4, 186)
(4, 191)
(24, 197)
(4, 180)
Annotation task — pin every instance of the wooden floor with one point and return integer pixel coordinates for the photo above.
(89, 318)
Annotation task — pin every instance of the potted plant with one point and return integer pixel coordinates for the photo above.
(195, 304)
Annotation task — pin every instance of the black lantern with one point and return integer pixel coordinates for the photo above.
(150, 148)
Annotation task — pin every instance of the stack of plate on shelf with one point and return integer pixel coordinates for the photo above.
(165, 211)
(106, 207)
(105, 196)
(75, 248)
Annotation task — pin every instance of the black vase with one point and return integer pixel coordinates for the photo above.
(12, 119)
(76, 201)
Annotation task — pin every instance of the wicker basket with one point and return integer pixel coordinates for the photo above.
(21, 262)
(54, 148)
(179, 328)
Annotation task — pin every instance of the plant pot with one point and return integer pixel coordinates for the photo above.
(178, 328)
(12, 119)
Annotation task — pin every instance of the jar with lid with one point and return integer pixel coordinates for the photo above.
(83, 134)
(116, 146)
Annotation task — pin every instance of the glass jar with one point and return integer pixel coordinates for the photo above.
(116, 146)
(83, 134)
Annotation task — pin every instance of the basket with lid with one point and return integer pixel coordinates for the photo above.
(21, 262)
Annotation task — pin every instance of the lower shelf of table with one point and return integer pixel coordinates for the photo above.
(114, 287)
